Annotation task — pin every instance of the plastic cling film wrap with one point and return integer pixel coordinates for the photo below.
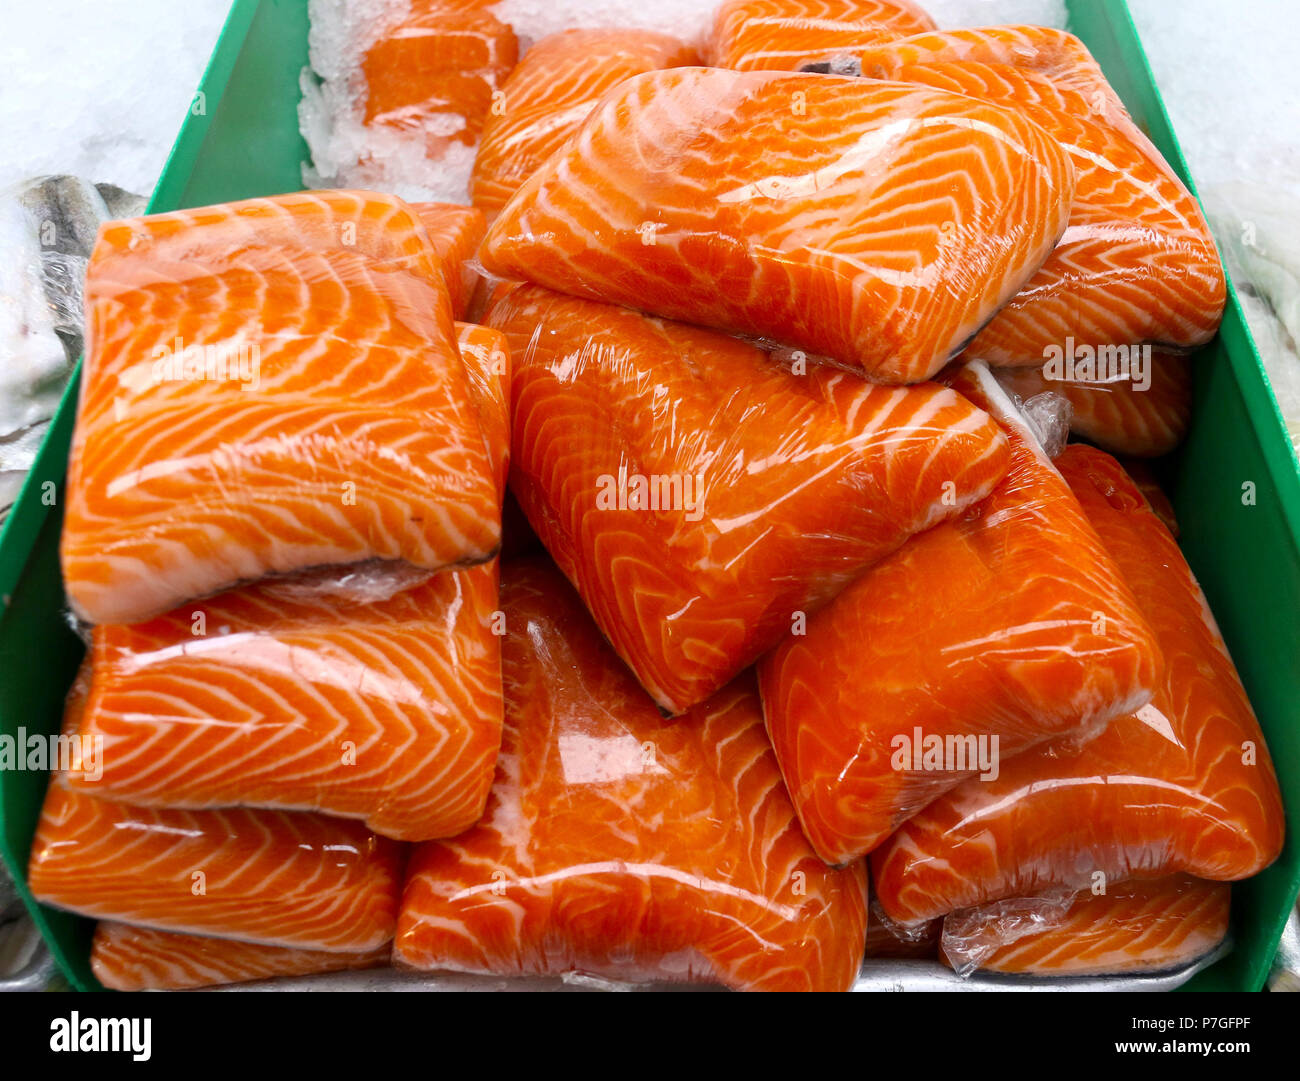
(783, 35)
(1001, 629)
(274, 696)
(250, 410)
(455, 233)
(1183, 785)
(1048, 417)
(624, 846)
(705, 499)
(278, 878)
(126, 958)
(381, 227)
(813, 210)
(1147, 926)
(889, 940)
(1137, 262)
(548, 96)
(1143, 410)
(485, 354)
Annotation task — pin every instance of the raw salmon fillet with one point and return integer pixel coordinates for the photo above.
(1010, 621)
(304, 694)
(1121, 415)
(623, 845)
(486, 356)
(548, 96)
(382, 227)
(875, 223)
(1183, 785)
(181, 485)
(1137, 262)
(1044, 50)
(276, 877)
(784, 35)
(1136, 927)
(701, 496)
(126, 958)
(455, 233)
(435, 71)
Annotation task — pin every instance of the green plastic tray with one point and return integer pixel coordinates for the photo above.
(245, 142)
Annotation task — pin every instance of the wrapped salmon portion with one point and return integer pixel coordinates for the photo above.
(1144, 416)
(1136, 927)
(1137, 262)
(454, 234)
(386, 230)
(362, 693)
(750, 35)
(701, 495)
(876, 223)
(275, 877)
(623, 845)
(235, 391)
(432, 73)
(1001, 629)
(549, 94)
(127, 958)
(1183, 785)
(486, 356)
(306, 694)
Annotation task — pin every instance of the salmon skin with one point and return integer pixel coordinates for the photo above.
(1184, 785)
(276, 877)
(434, 72)
(701, 496)
(127, 958)
(874, 223)
(231, 404)
(1123, 415)
(622, 845)
(1137, 262)
(297, 695)
(1136, 927)
(548, 96)
(783, 35)
(1001, 629)
(455, 233)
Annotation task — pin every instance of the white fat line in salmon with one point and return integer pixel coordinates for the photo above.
(77, 1033)
(946, 754)
(82, 755)
(1072, 363)
(655, 491)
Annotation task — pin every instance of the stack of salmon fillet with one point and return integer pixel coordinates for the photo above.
(672, 567)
